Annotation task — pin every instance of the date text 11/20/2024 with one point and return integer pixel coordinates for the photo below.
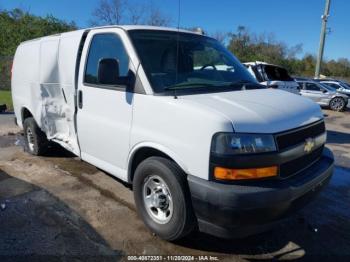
(173, 258)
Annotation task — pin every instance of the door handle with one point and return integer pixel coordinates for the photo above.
(80, 99)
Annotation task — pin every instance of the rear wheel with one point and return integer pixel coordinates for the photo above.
(36, 142)
(162, 198)
(337, 104)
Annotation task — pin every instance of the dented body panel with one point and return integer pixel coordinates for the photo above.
(43, 82)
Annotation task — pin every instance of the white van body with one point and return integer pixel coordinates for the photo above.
(43, 81)
(258, 70)
(112, 127)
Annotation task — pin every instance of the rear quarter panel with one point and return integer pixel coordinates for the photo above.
(25, 77)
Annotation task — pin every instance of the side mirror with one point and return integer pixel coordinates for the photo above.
(324, 91)
(108, 71)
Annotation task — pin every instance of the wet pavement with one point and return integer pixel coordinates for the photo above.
(58, 206)
(37, 225)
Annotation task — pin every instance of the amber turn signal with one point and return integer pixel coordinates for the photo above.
(241, 174)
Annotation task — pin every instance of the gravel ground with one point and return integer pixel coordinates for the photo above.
(58, 207)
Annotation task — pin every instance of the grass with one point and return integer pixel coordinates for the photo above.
(5, 98)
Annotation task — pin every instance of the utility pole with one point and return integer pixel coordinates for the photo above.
(324, 18)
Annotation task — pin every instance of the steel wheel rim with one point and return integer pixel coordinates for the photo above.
(337, 103)
(157, 199)
(30, 139)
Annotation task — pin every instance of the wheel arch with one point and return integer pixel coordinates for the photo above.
(25, 113)
(146, 150)
(338, 97)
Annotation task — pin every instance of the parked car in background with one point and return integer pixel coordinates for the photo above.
(340, 86)
(272, 76)
(322, 94)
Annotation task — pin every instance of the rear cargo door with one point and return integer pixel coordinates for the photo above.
(104, 111)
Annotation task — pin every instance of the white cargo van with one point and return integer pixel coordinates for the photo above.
(272, 76)
(180, 118)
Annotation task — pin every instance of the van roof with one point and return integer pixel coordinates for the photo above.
(143, 27)
(55, 35)
(124, 27)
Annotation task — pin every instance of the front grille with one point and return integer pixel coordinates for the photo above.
(297, 136)
(299, 164)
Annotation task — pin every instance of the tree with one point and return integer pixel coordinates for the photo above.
(156, 17)
(116, 12)
(252, 47)
(17, 26)
(109, 12)
(136, 14)
(264, 47)
(220, 36)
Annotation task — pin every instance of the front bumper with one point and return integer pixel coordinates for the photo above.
(239, 210)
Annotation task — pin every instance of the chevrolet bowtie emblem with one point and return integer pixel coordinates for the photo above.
(309, 145)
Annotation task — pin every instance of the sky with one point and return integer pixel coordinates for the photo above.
(290, 21)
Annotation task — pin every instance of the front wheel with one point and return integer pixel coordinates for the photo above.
(162, 198)
(337, 104)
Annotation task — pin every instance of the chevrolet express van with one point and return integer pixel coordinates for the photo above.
(177, 116)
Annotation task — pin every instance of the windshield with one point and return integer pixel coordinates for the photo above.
(328, 87)
(173, 60)
(345, 85)
(275, 73)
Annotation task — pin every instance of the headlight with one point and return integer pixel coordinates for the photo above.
(235, 143)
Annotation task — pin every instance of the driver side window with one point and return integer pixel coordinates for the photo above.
(312, 87)
(106, 45)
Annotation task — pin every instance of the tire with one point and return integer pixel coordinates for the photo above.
(36, 142)
(174, 200)
(337, 104)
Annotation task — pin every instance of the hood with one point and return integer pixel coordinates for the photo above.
(281, 83)
(289, 86)
(339, 92)
(288, 83)
(342, 94)
(261, 111)
(344, 91)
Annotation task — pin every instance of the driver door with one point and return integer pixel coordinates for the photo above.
(104, 114)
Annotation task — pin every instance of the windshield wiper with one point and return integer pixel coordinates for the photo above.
(236, 84)
(240, 84)
(186, 85)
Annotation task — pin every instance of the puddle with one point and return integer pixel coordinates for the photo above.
(61, 158)
(73, 166)
(11, 140)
